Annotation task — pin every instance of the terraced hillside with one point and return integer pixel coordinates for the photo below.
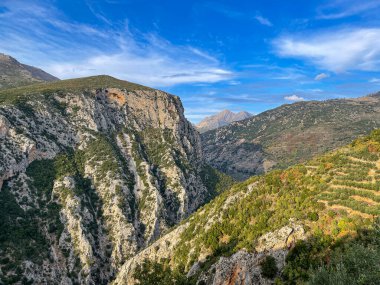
(300, 217)
(355, 182)
(289, 134)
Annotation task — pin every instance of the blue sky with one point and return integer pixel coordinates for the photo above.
(238, 55)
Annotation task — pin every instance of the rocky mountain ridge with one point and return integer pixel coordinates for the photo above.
(92, 170)
(289, 134)
(221, 119)
(15, 74)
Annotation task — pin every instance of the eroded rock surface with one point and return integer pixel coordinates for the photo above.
(97, 174)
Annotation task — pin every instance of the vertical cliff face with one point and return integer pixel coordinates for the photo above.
(91, 171)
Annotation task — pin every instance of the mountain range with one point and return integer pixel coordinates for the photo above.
(289, 134)
(104, 181)
(221, 119)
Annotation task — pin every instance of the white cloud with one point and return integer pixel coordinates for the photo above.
(42, 36)
(234, 82)
(374, 80)
(321, 76)
(294, 98)
(263, 21)
(341, 9)
(335, 50)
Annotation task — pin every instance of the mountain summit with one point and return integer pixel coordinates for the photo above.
(221, 119)
(15, 74)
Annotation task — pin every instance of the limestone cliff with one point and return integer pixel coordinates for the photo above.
(91, 171)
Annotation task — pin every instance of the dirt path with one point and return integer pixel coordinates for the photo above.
(377, 193)
(347, 209)
(365, 199)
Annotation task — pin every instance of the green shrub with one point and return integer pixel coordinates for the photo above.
(269, 267)
(355, 265)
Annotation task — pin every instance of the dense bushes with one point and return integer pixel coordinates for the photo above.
(355, 263)
(331, 208)
(269, 267)
(159, 273)
(215, 181)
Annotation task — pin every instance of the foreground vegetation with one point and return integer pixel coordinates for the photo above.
(335, 197)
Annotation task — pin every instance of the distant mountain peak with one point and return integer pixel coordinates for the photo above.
(15, 74)
(221, 119)
(7, 58)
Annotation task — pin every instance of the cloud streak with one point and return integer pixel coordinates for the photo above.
(321, 76)
(68, 49)
(335, 50)
(263, 21)
(342, 9)
(294, 98)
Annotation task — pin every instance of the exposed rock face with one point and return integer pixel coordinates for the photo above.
(241, 268)
(14, 73)
(244, 268)
(282, 238)
(97, 174)
(221, 119)
(161, 249)
(289, 135)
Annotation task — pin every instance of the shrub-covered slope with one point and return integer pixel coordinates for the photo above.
(91, 171)
(302, 217)
(289, 134)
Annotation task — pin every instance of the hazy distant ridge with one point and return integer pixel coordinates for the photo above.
(221, 119)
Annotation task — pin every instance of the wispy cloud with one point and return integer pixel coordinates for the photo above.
(44, 37)
(374, 80)
(263, 21)
(340, 9)
(294, 98)
(321, 76)
(231, 13)
(335, 50)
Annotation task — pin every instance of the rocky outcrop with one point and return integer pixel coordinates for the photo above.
(105, 172)
(241, 268)
(161, 249)
(245, 268)
(285, 237)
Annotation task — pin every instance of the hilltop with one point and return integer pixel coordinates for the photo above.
(15, 74)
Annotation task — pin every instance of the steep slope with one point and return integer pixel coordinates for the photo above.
(289, 134)
(14, 73)
(283, 222)
(221, 119)
(91, 171)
